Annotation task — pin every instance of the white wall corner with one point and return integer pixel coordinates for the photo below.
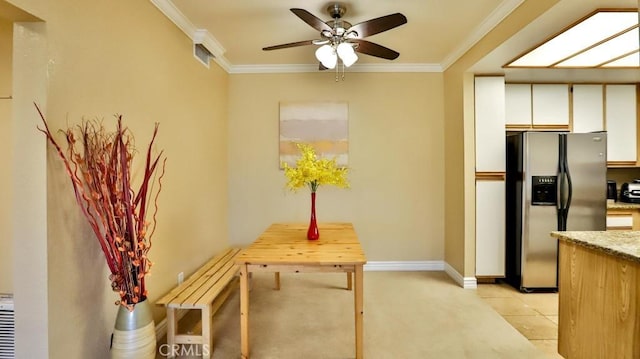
(464, 282)
(397, 266)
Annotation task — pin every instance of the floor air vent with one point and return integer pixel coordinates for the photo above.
(7, 328)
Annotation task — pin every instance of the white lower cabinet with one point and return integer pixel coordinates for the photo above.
(620, 222)
(490, 228)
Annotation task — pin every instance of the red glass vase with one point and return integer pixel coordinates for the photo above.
(313, 233)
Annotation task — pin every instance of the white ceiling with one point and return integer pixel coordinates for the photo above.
(436, 34)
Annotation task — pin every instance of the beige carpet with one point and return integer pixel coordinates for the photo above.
(407, 315)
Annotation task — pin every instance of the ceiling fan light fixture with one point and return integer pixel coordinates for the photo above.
(339, 40)
(349, 60)
(327, 56)
(347, 54)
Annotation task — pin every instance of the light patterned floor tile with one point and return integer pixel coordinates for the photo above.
(553, 318)
(548, 346)
(510, 306)
(533, 326)
(543, 303)
(495, 291)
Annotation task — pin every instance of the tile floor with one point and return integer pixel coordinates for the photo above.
(535, 315)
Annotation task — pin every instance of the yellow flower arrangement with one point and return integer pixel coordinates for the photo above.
(314, 172)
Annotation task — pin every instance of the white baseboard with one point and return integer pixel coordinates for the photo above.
(464, 282)
(404, 266)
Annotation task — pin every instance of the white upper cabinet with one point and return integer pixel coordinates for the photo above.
(489, 124)
(550, 104)
(518, 105)
(621, 120)
(588, 108)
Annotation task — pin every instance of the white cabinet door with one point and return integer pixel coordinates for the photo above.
(490, 227)
(620, 120)
(489, 116)
(550, 104)
(588, 108)
(518, 104)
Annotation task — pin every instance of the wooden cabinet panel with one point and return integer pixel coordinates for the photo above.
(518, 105)
(490, 224)
(550, 104)
(489, 126)
(621, 123)
(599, 304)
(588, 108)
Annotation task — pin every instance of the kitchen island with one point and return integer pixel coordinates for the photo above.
(599, 294)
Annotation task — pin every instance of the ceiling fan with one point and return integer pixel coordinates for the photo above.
(341, 40)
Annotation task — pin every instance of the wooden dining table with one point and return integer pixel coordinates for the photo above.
(284, 247)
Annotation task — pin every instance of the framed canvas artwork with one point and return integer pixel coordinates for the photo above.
(323, 125)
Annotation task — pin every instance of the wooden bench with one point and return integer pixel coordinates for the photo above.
(205, 290)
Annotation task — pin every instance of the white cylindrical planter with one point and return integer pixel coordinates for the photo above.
(134, 336)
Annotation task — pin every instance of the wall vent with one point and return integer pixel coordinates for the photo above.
(7, 328)
(202, 54)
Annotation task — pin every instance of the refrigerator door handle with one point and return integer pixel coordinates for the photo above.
(569, 191)
(565, 191)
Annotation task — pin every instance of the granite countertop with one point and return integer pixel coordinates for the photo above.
(623, 205)
(623, 244)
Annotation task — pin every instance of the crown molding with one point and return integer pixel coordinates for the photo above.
(500, 13)
(298, 68)
(198, 36)
(204, 37)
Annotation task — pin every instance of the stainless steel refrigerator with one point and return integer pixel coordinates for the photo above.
(554, 182)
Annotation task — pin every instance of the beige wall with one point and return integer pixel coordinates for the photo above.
(395, 157)
(6, 241)
(459, 155)
(126, 57)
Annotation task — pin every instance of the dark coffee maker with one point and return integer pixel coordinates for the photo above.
(612, 192)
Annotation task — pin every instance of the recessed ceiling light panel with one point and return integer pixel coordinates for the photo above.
(631, 60)
(598, 39)
(614, 48)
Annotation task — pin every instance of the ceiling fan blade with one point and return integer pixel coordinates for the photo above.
(370, 48)
(378, 25)
(311, 19)
(291, 44)
(321, 67)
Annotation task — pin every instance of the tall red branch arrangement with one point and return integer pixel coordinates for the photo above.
(99, 165)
